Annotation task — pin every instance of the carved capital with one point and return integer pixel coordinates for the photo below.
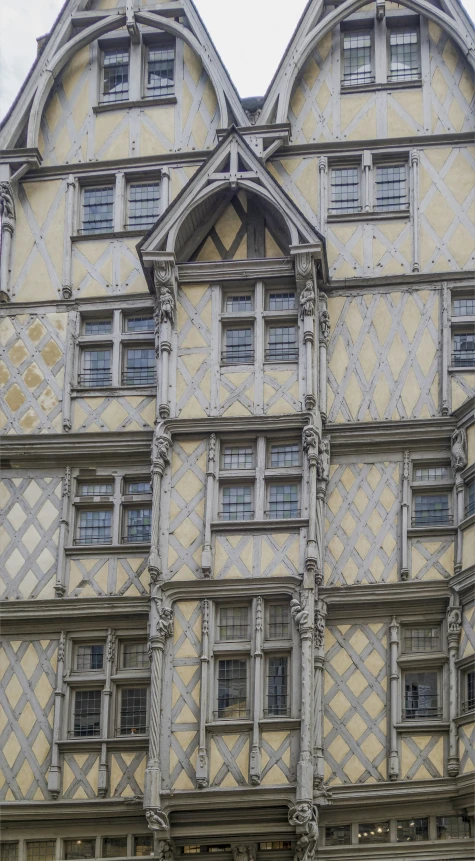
(7, 201)
(459, 450)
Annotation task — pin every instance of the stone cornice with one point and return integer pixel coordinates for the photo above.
(390, 435)
(76, 448)
(387, 599)
(55, 614)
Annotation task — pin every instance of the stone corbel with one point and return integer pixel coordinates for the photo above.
(160, 460)
(405, 517)
(8, 220)
(459, 462)
(161, 629)
(304, 816)
(454, 628)
(54, 773)
(103, 779)
(393, 765)
(210, 484)
(319, 663)
(202, 777)
(131, 24)
(60, 586)
(255, 768)
(165, 279)
(324, 337)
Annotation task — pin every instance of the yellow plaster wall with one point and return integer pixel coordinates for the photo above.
(92, 414)
(468, 547)
(462, 388)
(422, 756)
(466, 748)
(37, 252)
(98, 576)
(184, 700)
(193, 373)
(432, 559)
(186, 512)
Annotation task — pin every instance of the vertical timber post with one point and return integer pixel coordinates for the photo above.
(393, 769)
(210, 480)
(54, 773)
(404, 517)
(454, 627)
(202, 777)
(60, 585)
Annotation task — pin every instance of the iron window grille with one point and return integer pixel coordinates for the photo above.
(233, 623)
(345, 190)
(94, 527)
(285, 454)
(135, 656)
(238, 347)
(282, 345)
(232, 689)
(404, 55)
(133, 711)
(8, 851)
(431, 510)
(464, 307)
(97, 327)
(452, 827)
(40, 850)
(139, 323)
(391, 187)
(160, 71)
(116, 75)
(283, 501)
(76, 849)
(278, 626)
(138, 486)
(421, 698)
(95, 489)
(138, 525)
(278, 686)
(87, 714)
(469, 703)
(337, 835)
(464, 350)
(238, 304)
(470, 506)
(143, 845)
(139, 367)
(431, 473)
(412, 830)
(238, 457)
(90, 657)
(98, 209)
(143, 209)
(237, 503)
(357, 59)
(114, 847)
(370, 832)
(96, 369)
(426, 639)
(282, 301)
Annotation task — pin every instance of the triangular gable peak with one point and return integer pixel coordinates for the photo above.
(78, 25)
(317, 21)
(231, 170)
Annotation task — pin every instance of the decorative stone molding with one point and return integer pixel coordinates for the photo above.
(319, 664)
(299, 611)
(164, 278)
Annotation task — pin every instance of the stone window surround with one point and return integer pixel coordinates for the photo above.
(119, 502)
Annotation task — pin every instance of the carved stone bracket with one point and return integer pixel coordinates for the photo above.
(157, 820)
(299, 611)
(459, 450)
(304, 816)
(244, 852)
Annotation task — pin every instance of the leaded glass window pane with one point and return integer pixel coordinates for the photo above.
(277, 686)
(75, 849)
(285, 454)
(161, 71)
(237, 502)
(452, 827)
(470, 507)
(138, 486)
(96, 369)
(371, 832)
(421, 697)
(238, 346)
(431, 473)
(282, 345)
(357, 59)
(464, 307)
(279, 622)
(105, 488)
(114, 847)
(282, 301)
(412, 830)
(139, 323)
(469, 703)
(404, 63)
(98, 327)
(391, 187)
(431, 509)
(143, 845)
(135, 656)
(87, 714)
(116, 75)
(284, 500)
(95, 526)
(90, 657)
(40, 850)
(337, 835)
(138, 524)
(238, 304)
(232, 689)
(140, 366)
(238, 457)
(422, 639)
(144, 208)
(464, 349)
(345, 190)
(133, 711)
(98, 210)
(8, 851)
(234, 623)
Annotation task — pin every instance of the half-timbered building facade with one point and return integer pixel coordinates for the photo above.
(238, 440)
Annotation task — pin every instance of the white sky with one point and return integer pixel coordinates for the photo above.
(250, 49)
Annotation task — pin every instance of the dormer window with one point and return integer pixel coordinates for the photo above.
(160, 77)
(357, 58)
(404, 55)
(115, 79)
(387, 55)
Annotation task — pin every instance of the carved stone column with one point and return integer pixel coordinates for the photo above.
(324, 337)
(164, 280)
(310, 444)
(405, 516)
(306, 286)
(393, 769)
(103, 779)
(319, 663)
(161, 628)
(60, 586)
(302, 610)
(202, 777)
(304, 815)
(160, 460)
(415, 158)
(67, 289)
(323, 475)
(459, 462)
(322, 191)
(210, 482)
(454, 627)
(445, 348)
(255, 769)
(8, 219)
(54, 773)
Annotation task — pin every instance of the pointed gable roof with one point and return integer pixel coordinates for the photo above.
(231, 166)
(63, 42)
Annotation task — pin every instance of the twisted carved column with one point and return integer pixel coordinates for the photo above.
(8, 219)
(393, 769)
(202, 761)
(164, 280)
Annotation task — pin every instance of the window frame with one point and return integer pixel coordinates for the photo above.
(117, 343)
(90, 186)
(393, 163)
(108, 46)
(152, 41)
(360, 27)
(293, 352)
(135, 181)
(269, 656)
(235, 326)
(243, 657)
(129, 684)
(423, 719)
(393, 26)
(347, 164)
(86, 687)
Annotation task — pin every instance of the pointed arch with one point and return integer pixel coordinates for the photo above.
(281, 90)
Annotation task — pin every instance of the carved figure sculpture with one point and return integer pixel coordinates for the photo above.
(310, 437)
(323, 462)
(299, 612)
(454, 620)
(7, 202)
(162, 447)
(164, 851)
(244, 853)
(459, 449)
(157, 820)
(304, 815)
(167, 305)
(164, 620)
(325, 325)
(307, 300)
